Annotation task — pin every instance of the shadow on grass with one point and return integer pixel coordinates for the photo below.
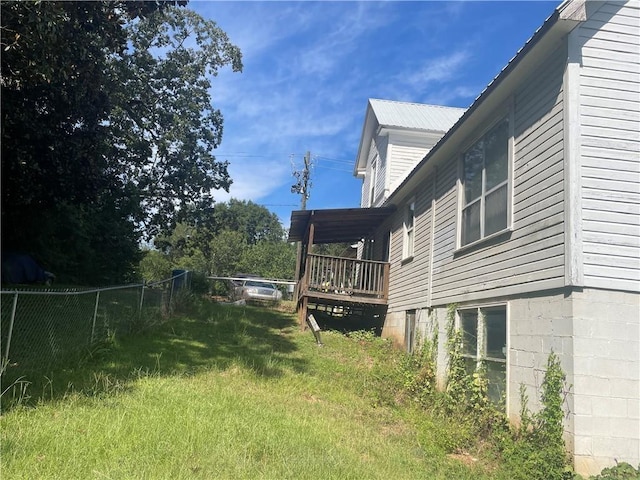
(208, 336)
(371, 319)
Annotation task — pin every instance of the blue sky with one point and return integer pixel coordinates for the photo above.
(309, 68)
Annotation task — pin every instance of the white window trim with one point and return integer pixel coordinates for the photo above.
(408, 250)
(373, 187)
(504, 112)
(480, 334)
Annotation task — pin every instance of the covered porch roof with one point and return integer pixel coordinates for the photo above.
(339, 225)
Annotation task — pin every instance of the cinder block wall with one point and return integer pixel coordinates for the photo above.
(596, 335)
(537, 326)
(393, 327)
(606, 379)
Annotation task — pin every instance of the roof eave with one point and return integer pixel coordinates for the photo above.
(560, 22)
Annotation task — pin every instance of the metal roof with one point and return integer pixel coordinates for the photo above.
(338, 225)
(415, 115)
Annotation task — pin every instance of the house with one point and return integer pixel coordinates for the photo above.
(395, 137)
(525, 215)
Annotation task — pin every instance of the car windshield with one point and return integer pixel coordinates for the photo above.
(259, 284)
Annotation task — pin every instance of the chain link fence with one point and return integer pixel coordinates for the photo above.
(41, 327)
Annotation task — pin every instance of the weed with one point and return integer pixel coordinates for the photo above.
(16, 394)
(622, 471)
(536, 450)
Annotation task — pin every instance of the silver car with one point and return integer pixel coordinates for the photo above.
(258, 290)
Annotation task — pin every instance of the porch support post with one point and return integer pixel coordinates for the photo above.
(303, 314)
(386, 270)
(312, 229)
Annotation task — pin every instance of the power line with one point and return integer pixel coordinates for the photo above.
(335, 160)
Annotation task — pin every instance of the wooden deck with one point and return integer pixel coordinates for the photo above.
(328, 280)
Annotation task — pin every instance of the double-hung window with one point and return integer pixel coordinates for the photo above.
(484, 343)
(409, 230)
(485, 206)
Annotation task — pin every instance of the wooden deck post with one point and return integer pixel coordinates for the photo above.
(303, 314)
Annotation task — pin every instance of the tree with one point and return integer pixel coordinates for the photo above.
(270, 260)
(227, 249)
(106, 113)
(164, 125)
(234, 237)
(155, 266)
(255, 222)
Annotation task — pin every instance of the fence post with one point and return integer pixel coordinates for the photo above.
(95, 315)
(5, 360)
(141, 299)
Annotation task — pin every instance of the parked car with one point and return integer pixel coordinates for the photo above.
(253, 289)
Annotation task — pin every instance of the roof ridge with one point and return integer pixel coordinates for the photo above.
(417, 104)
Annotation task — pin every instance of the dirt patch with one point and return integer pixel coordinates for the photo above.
(464, 458)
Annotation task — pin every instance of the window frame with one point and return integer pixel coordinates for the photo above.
(374, 181)
(409, 232)
(480, 355)
(504, 114)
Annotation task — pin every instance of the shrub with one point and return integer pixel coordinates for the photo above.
(622, 471)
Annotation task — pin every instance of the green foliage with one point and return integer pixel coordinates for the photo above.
(255, 222)
(458, 381)
(231, 238)
(227, 249)
(537, 450)
(163, 118)
(419, 369)
(199, 283)
(335, 249)
(107, 127)
(270, 259)
(622, 471)
(155, 266)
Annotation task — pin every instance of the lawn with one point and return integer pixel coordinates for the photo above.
(230, 392)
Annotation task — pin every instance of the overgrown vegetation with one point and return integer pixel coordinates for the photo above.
(234, 237)
(248, 385)
(534, 450)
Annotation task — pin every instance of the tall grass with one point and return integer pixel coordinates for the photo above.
(229, 392)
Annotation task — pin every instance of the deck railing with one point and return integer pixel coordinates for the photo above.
(346, 276)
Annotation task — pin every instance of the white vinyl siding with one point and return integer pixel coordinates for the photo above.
(532, 257)
(409, 281)
(610, 146)
(405, 151)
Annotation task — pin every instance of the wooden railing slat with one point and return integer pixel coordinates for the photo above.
(346, 276)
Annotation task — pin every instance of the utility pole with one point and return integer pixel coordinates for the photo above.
(303, 185)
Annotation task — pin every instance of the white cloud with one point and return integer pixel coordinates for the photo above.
(437, 70)
(254, 179)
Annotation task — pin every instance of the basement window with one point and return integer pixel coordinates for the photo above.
(484, 344)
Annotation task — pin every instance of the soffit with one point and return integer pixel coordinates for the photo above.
(340, 225)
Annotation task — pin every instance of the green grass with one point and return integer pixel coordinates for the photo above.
(229, 392)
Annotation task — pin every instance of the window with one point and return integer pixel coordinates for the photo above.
(374, 181)
(485, 185)
(484, 343)
(410, 330)
(409, 230)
